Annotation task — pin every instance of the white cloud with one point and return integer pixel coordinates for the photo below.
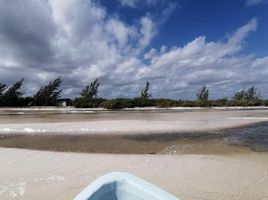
(254, 2)
(129, 3)
(200, 62)
(80, 41)
(120, 31)
(150, 54)
(147, 31)
(136, 3)
(243, 32)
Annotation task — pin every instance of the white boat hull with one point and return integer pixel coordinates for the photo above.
(122, 186)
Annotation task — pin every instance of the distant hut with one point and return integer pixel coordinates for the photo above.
(64, 102)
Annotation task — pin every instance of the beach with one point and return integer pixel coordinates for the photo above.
(171, 91)
(27, 174)
(191, 153)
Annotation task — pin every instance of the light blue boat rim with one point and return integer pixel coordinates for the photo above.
(127, 187)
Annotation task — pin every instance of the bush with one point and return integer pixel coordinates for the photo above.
(188, 103)
(219, 102)
(265, 102)
(88, 103)
(243, 102)
(165, 103)
(255, 102)
(117, 104)
(27, 101)
(138, 102)
(122, 103)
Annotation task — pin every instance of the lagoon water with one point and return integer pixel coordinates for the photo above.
(164, 131)
(57, 115)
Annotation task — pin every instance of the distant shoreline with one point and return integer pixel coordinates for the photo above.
(70, 108)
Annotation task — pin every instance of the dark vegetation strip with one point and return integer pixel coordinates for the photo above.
(49, 95)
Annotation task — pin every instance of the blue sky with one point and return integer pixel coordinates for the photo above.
(192, 18)
(176, 45)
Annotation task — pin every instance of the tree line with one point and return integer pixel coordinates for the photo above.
(12, 96)
(49, 94)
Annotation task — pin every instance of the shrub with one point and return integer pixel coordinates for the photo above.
(219, 102)
(265, 102)
(188, 103)
(165, 103)
(141, 102)
(117, 104)
(138, 102)
(88, 103)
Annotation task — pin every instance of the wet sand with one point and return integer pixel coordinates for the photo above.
(112, 144)
(221, 141)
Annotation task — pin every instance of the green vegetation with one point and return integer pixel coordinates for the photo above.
(11, 96)
(202, 93)
(88, 103)
(202, 96)
(249, 94)
(145, 95)
(117, 104)
(91, 90)
(89, 96)
(2, 89)
(48, 95)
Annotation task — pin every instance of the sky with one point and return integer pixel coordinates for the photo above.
(177, 46)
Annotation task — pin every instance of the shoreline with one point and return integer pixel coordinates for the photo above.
(72, 108)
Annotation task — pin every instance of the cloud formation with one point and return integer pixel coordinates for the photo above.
(254, 2)
(136, 3)
(80, 41)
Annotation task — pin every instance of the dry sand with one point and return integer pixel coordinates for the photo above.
(31, 175)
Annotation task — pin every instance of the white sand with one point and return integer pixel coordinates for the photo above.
(129, 122)
(27, 174)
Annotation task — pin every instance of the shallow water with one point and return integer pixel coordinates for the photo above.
(217, 141)
(76, 115)
(233, 140)
(254, 137)
(10, 116)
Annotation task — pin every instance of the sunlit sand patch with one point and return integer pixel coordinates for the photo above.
(191, 177)
(13, 190)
